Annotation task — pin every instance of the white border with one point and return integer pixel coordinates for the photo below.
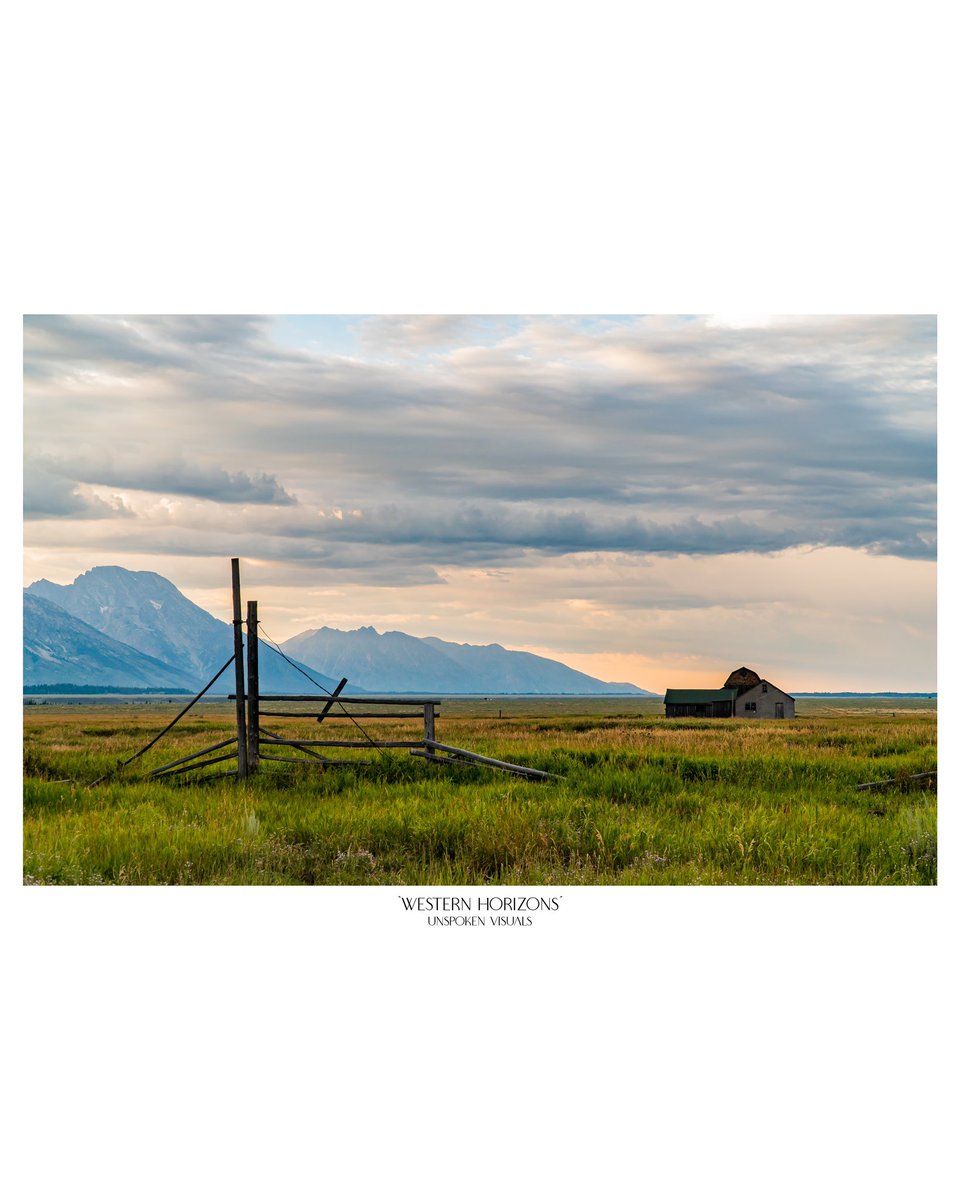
(522, 158)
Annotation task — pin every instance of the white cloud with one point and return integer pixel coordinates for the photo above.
(486, 445)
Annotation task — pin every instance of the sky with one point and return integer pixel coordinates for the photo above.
(651, 499)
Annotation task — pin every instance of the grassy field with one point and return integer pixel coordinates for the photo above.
(641, 800)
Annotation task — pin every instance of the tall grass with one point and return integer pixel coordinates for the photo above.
(641, 800)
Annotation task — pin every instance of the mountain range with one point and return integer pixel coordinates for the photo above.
(58, 648)
(116, 627)
(153, 622)
(399, 662)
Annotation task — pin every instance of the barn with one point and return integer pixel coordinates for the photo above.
(744, 694)
(700, 702)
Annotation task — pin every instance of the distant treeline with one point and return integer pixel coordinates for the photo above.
(89, 689)
(867, 695)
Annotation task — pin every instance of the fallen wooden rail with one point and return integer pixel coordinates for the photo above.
(861, 787)
(196, 754)
(455, 754)
(196, 766)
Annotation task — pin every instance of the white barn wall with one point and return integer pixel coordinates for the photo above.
(765, 701)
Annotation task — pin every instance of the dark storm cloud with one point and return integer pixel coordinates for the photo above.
(652, 436)
(467, 533)
(203, 481)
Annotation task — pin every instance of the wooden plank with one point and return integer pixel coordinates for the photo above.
(238, 669)
(327, 762)
(470, 756)
(303, 762)
(269, 733)
(346, 745)
(196, 754)
(349, 762)
(166, 729)
(253, 686)
(446, 760)
(890, 782)
(457, 760)
(275, 739)
(429, 714)
(329, 704)
(344, 716)
(270, 697)
(197, 766)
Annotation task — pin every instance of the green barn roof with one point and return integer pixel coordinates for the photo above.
(699, 695)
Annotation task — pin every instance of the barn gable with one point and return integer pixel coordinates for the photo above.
(765, 699)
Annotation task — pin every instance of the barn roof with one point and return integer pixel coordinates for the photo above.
(743, 677)
(699, 695)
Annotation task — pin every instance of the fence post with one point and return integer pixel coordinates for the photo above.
(253, 688)
(238, 671)
(429, 733)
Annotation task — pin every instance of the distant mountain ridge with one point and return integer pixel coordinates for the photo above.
(59, 648)
(400, 662)
(865, 695)
(147, 613)
(171, 642)
(495, 668)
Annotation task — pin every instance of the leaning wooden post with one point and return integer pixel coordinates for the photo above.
(253, 688)
(238, 671)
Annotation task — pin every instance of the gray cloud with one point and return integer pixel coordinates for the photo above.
(558, 436)
(48, 496)
(52, 342)
(470, 532)
(176, 478)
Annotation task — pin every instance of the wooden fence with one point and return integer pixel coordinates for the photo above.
(256, 742)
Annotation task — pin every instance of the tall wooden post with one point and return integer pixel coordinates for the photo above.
(253, 688)
(238, 671)
(429, 730)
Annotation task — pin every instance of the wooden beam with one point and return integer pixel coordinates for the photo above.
(253, 686)
(238, 667)
(345, 716)
(166, 729)
(197, 766)
(327, 762)
(275, 741)
(861, 787)
(304, 762)
(486, 761)
(196, 754)
(270, 697)
(429, 732)
(446, 760)
(329, 704)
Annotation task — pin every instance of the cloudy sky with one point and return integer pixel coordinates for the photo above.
(650, 499)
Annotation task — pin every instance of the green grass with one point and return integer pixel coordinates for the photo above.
(641, 800)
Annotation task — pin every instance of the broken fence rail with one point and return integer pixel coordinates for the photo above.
(862, 787)
(456, 754)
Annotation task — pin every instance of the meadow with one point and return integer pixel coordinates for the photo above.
(639, 799)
